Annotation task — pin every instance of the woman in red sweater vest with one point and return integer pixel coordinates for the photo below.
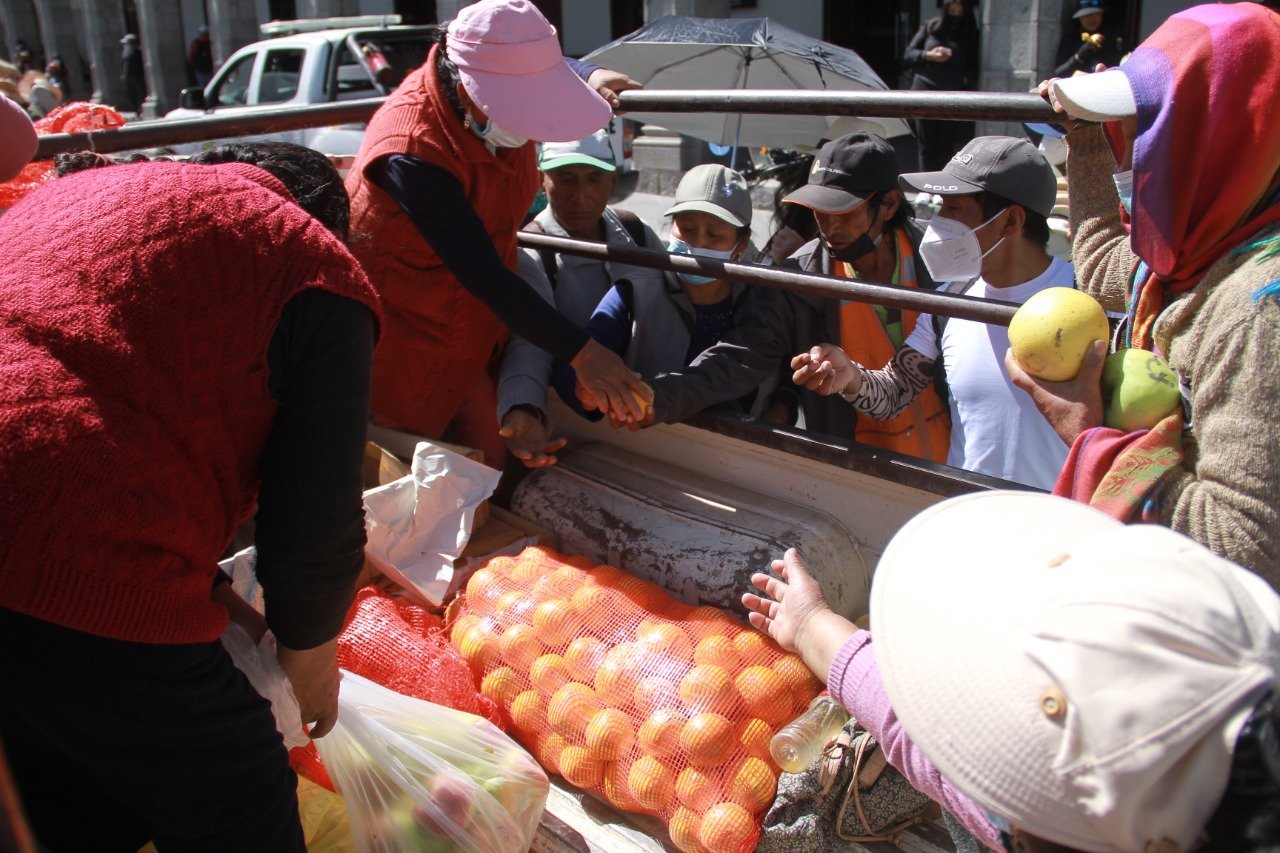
(443, 181)
(184, 341)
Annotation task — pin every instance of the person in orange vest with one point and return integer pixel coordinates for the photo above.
(988, 240)
(443, 180)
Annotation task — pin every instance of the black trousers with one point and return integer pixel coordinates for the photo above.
(940, 140)
(113, 744)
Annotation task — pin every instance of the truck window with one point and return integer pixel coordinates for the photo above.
(232, 88)
(281, 74)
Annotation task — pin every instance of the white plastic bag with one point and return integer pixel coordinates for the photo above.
(418, 525)
(422, 777)
(260, 666)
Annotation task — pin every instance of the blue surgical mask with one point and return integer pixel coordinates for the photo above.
(1124, 188)
(680, 247)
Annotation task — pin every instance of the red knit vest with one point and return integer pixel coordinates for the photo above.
(438, 336)
(136, 307)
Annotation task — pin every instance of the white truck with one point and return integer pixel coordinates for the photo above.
(321, 61)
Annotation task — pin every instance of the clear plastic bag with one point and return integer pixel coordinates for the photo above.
(421, 777)
(260, 666)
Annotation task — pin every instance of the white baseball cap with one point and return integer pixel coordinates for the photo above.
(1083, 680)
(594, 150)
(1102, 96)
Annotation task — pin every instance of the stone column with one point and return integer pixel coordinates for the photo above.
(58, 37)
(327, 8)
(19, 18)
(654, 9)
(232, 25)
(1019, 39)
(164, 56)
(103, 26)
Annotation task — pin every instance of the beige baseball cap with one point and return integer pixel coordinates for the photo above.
(714, 189)
(1079, 679)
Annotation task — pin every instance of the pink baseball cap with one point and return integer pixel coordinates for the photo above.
(510, 63)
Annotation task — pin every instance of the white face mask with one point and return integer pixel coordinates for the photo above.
(680, 247)
(1124, 189)
(496, 136)
(950, 249)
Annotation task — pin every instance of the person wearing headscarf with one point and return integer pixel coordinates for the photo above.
(1186, 241)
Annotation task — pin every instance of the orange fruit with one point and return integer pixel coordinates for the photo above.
(617, 676)
(705, 621)
(651, 783)
(752, 647)
(571, 709)
(462, 623)
(512, 607)
(717, 650)
(590, 599)
(659, 735)
(583, 771)
(728, 828)
(478, 646)
(529, 712)
(583, 658)
(520, 647)
(548, 674)
(553, 586)
(580, 562)
(802, 683)
(765, 694)
(707, 687)
(480, 583)
(665, 639)
(610, 734)
(502, 685)
(653, 692)
(696, 790)
(752, 784)
(555, 622)
(707, 739)
(500, 565)
(683, 827)
(548, 748)
(615, 786)
(754, 736)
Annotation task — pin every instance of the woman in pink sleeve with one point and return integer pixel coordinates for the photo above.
(1029, 675)
(17, 138)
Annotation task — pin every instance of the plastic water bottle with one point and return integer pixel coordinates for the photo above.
(798, 743)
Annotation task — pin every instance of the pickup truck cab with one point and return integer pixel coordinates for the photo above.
(302, 65)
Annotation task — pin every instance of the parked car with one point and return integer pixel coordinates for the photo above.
(311, 62)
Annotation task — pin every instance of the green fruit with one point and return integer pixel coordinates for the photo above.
(1139, 390)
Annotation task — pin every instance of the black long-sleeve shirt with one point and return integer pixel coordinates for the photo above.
(435, 202)
(959, 72)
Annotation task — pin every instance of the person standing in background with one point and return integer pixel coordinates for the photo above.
(1082, 51)
(200, 58)
(944, 55)
(135, 81)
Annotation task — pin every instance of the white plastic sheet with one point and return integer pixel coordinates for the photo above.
(418, 525)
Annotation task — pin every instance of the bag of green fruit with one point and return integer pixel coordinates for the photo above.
(422, 777)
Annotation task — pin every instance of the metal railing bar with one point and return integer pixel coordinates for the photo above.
(990, 311)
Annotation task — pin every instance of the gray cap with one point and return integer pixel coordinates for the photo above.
(1003, 165)
(714, 189)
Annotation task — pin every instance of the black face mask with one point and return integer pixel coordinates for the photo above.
(864, 245)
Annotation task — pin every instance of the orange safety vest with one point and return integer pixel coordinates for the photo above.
(438, 338)
(922, 429)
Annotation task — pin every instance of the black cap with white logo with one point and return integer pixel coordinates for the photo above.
(1004, 165)
(846, 172)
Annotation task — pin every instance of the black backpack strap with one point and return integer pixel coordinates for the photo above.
(633, 224)
(548, 256)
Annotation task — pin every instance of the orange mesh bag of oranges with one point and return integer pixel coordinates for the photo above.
(656, 706)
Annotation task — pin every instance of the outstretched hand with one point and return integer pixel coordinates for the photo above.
(1071, 406)
(827, 370)
(529, 437)
(792, 601)
(607, 384)
(609, 83)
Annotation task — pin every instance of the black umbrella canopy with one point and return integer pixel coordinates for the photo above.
(681, 52)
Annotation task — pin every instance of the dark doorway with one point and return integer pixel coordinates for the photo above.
(551, 10)
(878, 32)
(282, 10)
(416, 11)
(625, 16)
